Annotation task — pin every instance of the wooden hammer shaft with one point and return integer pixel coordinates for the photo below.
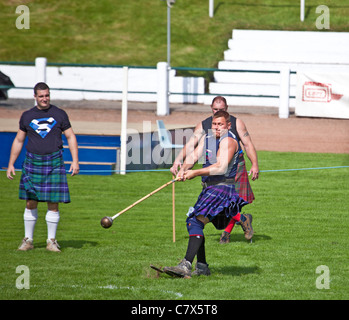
(145, 197)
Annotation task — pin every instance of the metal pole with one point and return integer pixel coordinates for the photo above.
(168, 35)
(302, 9)
(211, 8)
(168, 55)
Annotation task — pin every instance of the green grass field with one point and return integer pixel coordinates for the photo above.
(127, 32)
(300, 217)
(300, 220)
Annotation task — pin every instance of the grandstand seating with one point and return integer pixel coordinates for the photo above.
(261, 50)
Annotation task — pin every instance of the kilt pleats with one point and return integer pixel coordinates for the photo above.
(44, 178)
(217, 199)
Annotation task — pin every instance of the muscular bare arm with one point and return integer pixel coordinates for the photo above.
(225, 154)
(188, 148)
(250, 150)
(73, 147)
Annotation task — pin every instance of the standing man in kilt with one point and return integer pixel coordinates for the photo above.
(218, 202)
(242, 184)
(43, 176)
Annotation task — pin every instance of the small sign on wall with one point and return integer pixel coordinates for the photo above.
(322, 95)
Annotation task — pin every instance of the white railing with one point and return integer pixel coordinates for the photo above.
(163, 91)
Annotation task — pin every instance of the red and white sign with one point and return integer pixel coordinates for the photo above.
(322, 95)
(318, 92)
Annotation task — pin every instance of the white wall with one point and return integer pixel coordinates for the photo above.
(104, 79)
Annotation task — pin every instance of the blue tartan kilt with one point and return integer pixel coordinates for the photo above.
(44, 178)
(219, 203)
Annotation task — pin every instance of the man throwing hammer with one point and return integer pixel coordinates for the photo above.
(218, 202)
(238, 128)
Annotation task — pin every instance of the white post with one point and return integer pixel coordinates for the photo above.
(284, 92)
(40, 69)
(211, 8)
(163, 89)
(302, 9)
(123, 137)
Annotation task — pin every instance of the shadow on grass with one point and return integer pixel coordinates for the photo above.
(255, 238)
(236, 271)
(238, 237)
(76, 244)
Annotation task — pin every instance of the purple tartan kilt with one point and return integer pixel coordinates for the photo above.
(44, 178)
(219, 203)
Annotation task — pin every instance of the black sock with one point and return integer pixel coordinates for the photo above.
(201, 256)
(194, 245)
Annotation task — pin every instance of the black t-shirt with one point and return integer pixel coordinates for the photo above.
(44, 129)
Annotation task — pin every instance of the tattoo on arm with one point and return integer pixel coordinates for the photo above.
(246, 134)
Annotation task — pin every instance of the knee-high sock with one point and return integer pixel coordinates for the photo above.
(201, 255)
(194, 245)
(230, 226)
(30, 216)
(196, 237)
(52, 219)
(232, 222)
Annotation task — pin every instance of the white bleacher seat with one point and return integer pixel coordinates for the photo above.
(271, 50)
(164, 137)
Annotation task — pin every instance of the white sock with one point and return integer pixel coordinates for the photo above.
(30, 216)
(52, 219)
